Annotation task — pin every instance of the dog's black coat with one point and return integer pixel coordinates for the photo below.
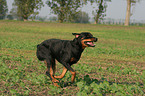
(61, 50)
(67, 52)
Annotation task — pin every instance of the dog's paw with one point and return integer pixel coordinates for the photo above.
(55, 84)
(55, 81)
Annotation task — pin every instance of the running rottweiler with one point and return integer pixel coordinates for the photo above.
(67, 52)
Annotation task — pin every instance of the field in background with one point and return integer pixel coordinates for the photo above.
(116, 66)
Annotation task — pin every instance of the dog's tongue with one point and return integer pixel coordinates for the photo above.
(91, 43)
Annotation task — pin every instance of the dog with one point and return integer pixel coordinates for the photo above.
(67, 52)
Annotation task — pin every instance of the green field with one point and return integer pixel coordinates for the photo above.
(116, 66)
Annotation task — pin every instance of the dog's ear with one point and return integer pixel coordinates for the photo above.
(76, 34)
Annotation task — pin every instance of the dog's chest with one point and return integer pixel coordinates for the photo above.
(74, 60)
(75, 56)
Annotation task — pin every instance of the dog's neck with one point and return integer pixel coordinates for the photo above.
(78, 44)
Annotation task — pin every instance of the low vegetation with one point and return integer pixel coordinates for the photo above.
(115, 66)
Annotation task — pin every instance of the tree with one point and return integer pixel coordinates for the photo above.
(25, 8)
(13, 12)
(100, 11)
(53, 18)
(10, 17)
(42, 18)
(127, 19)
(128, 11)
(64, 9)
(3, 9)
(81, 17)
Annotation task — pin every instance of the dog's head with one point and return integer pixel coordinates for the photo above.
(86, 39)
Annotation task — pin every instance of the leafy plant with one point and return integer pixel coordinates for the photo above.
(113, 67)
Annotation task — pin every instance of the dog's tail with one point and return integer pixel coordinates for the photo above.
(39, 53)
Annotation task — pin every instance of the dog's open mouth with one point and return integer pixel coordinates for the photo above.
(90, 43)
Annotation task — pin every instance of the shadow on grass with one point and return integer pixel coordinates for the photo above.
(89, 80)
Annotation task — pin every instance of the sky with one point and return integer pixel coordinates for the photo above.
(116, 10)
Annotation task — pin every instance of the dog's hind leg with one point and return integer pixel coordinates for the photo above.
(50, 71)
(62, 74)
(53, 66)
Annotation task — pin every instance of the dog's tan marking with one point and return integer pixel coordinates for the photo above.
(63, 73)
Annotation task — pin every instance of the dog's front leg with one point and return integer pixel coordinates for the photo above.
(73, 76)
(67, 66)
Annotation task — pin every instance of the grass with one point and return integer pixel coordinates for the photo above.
(116, 66)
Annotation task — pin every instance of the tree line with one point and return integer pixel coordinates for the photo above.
(66, 10)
